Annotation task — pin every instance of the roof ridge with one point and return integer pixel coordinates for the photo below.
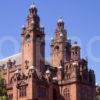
(10, 56)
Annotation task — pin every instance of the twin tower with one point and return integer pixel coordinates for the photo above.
(74, 80)
(33, 43)
(28, 77)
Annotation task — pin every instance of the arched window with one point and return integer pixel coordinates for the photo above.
(56, 48)
(54, 94)
(66, 94)
(22, 91)
(27, 37)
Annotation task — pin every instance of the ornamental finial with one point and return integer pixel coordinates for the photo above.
(33, 5)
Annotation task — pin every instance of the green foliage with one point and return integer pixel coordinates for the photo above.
(98, 98)
(2, 89)
(3, 98)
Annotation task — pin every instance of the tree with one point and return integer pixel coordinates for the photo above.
(3, 93)
(97, 97)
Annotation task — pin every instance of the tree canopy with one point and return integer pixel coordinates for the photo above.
(98, 98)
(3, 92)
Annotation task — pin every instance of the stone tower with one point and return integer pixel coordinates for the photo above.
(33, 42)
(60, 48)
(73, 75)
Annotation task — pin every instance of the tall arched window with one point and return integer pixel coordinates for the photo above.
(66, 93)
(22, 91)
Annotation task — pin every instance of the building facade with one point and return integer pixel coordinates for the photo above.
(28, 76)
(98, 92)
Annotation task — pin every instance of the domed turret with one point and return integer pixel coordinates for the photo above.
(60, 24)
(75, 51)
(33, 9)
(33, 6)
(60, 20)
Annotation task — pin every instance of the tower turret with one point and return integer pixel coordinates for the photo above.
(60, 24)
(59, 45)
(33, 42)
(33, 19)
(75, 52)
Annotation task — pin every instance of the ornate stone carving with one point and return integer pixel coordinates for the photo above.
(26, 64)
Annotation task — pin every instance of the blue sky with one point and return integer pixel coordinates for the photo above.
(82, 21)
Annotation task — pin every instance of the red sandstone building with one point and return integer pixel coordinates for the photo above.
(28, 77)
(98, 91)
